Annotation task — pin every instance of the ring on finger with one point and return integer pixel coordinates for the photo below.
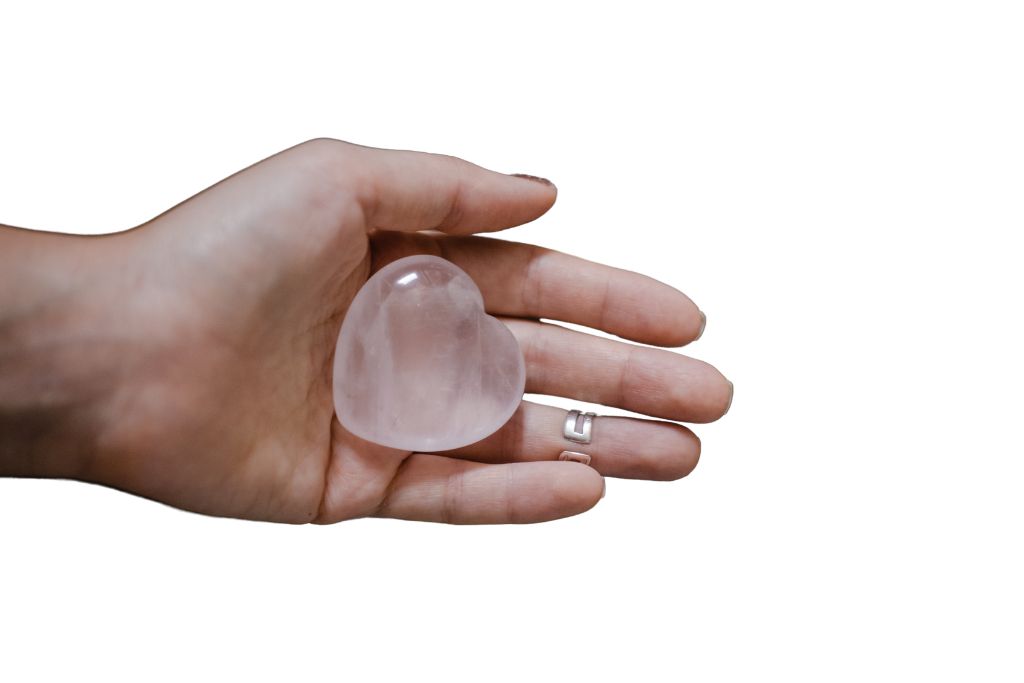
(573, 456)
(578, 426)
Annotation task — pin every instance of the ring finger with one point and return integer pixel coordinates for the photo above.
(620, 447)
(576, 365)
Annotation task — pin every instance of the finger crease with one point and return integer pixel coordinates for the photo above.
(510, 511)
(602, 311)
(530, 294)
(512, 436)
(453, 216)
(625, 376)
(453, 489)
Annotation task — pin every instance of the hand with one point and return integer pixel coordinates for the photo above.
(208, 334)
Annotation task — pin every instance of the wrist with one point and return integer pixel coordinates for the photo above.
(58, 354)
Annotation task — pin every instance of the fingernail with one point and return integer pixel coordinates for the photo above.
(703, 324)
(604, 487)
(732, 390)
(535, 178)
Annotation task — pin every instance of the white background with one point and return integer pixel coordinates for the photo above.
(839, 187)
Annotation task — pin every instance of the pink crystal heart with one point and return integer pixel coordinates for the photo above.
(420, 365)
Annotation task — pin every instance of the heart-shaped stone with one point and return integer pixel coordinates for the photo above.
(420, 365)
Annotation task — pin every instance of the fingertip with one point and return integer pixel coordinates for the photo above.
(541, 192)
(643, 309)
(563, 489)
(578, 489)
(703, 395)
(703, 324)
(648, 449)
(684, 322)
(684, 455)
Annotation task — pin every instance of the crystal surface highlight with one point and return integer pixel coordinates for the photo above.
(419, 364)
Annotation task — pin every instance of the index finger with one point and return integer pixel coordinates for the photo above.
(407, 191)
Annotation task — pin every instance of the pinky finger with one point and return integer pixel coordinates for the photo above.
(435, 488)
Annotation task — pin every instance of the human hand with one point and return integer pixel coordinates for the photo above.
(200, 345)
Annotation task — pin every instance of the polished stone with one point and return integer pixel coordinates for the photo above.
(419, 364)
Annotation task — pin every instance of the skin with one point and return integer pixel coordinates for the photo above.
(188, 360)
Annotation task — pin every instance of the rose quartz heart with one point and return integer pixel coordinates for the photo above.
(419, 365)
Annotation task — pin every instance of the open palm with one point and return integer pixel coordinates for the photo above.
(230, 305)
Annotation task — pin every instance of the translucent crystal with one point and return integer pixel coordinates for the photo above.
(419, 364)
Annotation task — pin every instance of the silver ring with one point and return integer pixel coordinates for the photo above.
(578, 426)
(575, 456)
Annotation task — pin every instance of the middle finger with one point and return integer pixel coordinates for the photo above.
(563, 362)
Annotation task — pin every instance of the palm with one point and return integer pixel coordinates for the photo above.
(265, 265)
